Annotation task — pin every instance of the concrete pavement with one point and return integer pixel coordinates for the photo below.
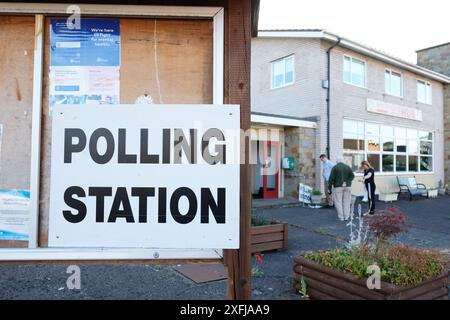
(309, 230)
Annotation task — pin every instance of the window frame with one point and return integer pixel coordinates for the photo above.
(426, 83)
(402, 86)
(364, 86)
(394, 153)
(272, 64)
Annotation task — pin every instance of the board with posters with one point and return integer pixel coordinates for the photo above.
(85, 62)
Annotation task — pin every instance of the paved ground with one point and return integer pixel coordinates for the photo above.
(309, 229)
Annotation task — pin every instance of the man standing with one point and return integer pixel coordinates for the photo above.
(341, 178)
(327, 165)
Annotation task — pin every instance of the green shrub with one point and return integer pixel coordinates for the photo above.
(261, 221)
(400, 265)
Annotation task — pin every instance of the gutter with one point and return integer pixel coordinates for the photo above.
(329, 92)
(349, 44)
(362, 49)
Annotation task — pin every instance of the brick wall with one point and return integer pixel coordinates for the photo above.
(300, 143)
(438, 59)
(447, 133)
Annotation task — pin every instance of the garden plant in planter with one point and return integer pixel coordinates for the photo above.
(268, 234)
(374, 268)
(316, 197)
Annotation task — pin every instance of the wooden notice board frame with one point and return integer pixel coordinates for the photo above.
(232, 21)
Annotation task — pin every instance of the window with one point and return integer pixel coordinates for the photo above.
(354, 71)
(400, 163)
(424, 92)
(282, 72)
(393, 83)
(426, 151)
(353, 143)
(389, 149)
(374, 160)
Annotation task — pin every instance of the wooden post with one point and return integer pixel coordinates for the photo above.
(237, 91)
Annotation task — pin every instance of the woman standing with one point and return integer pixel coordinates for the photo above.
(369, 182)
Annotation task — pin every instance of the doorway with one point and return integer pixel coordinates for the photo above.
(266, 169)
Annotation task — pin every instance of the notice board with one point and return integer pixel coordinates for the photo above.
(169, 60)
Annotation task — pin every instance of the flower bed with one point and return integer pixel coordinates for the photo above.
(404, 272)
(327, 283)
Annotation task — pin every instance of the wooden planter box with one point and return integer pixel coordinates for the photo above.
(270, 237)
(325, 283)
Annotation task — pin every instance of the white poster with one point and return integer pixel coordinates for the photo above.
(14, 214)
(304, 193)
(84, 85)
(160, 176)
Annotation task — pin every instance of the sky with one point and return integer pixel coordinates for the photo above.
(397, 27)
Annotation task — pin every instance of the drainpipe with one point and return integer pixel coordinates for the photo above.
(329, 92)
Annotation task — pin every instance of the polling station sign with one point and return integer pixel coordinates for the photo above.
(134, 176)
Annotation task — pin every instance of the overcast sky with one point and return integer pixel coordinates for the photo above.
(398, 27)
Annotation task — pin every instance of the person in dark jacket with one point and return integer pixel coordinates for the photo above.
(369, 182)
(341, 178)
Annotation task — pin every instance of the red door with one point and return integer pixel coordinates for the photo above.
(271, 166)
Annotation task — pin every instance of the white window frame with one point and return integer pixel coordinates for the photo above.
(40, 10)
(272, 64)
(402, 89)
(364, 86)
(426, 83)
(365, 152)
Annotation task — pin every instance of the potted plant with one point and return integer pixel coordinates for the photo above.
(374, 268)
(316, 197)
(388, 196)
(267, 234)
(432, 193)
(441, 188)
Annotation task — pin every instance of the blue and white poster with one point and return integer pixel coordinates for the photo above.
(14, 214)
(85, 62)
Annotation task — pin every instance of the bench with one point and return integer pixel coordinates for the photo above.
(409, 185)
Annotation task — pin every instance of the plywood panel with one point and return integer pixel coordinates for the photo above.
(169, 59)
(16, 82)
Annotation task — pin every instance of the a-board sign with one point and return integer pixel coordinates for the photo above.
(304, 193)
(140, 176)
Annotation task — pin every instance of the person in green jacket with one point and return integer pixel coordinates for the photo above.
(341, 178)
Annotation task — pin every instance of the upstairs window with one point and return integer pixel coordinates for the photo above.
(282, 72)
(424, 92)
(393, 83)
(354, 71)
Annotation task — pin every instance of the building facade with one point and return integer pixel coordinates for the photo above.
(437, 58)
(366, 104)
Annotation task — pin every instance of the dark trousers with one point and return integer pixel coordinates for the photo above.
(370, 187)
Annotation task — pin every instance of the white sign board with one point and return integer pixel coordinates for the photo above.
(304, 193)
(393, 110)
(140, 176)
